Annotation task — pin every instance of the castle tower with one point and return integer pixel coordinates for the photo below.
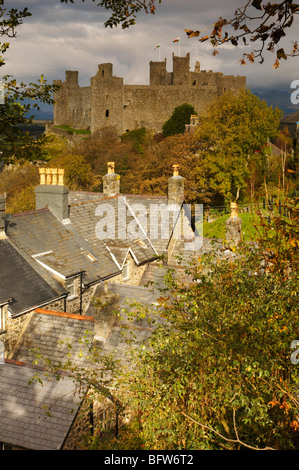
(181, 70)
(158, 73)
(71, 77)
(107, 100)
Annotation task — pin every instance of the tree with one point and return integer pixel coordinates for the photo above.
(218, 371)
(267, 27)
(218, 374)
(232, 132)
(151, 173)
(177, 121)
(18, 97)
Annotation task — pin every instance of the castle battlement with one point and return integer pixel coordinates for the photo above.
(108, 102)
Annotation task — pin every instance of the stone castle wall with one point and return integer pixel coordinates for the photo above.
(109, 102)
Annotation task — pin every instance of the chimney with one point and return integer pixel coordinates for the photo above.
(176, 187)
(52, 193)
(233, 226)
(111, 181)
(2, 215)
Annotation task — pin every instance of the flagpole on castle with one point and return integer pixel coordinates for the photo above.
(159, 47)
(179, 41)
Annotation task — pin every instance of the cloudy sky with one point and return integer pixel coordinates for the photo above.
(61, 37)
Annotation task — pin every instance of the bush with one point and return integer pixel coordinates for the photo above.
(180, 117)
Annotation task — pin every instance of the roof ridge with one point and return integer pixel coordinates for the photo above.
(63, 314)
(14, 362)
(72, 204)
(20, 214)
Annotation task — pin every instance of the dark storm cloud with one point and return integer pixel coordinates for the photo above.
(61, 37)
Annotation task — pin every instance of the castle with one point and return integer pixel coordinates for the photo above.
(108, 102)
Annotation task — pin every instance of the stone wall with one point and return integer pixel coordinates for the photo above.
(135, 273)
(110, 103)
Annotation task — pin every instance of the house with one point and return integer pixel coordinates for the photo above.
(55, 256)
(290, 123)
(42, 409)
(65, 269)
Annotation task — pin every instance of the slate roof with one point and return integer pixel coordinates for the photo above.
(124, 329)
(48, 242)
(20, 282)
(24, 420)
(51, 333)
(101, 222)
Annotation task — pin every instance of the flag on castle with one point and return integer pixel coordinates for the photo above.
(178, 40)
(157, 46)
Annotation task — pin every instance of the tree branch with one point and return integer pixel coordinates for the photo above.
(235, 441)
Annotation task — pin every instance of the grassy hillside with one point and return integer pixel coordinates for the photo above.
(216, 229)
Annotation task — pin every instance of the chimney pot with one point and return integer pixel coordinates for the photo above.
(176, 168)
(54, 176)
(233, 209)
(42, 175)
(111, 167)
(60, 177)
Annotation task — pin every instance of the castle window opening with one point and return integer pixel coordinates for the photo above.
(103, 73)
(107, 113)
(194, 83)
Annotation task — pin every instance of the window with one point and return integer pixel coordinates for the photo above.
(91, 257)
(126, 271)
(107, 113)
(71, 287)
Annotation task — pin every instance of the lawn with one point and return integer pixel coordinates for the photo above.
(71, 130)
(216, 229)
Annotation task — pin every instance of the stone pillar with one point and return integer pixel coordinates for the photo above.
(233, 226)
(102, 308)
(111, 181)
(176, 187)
